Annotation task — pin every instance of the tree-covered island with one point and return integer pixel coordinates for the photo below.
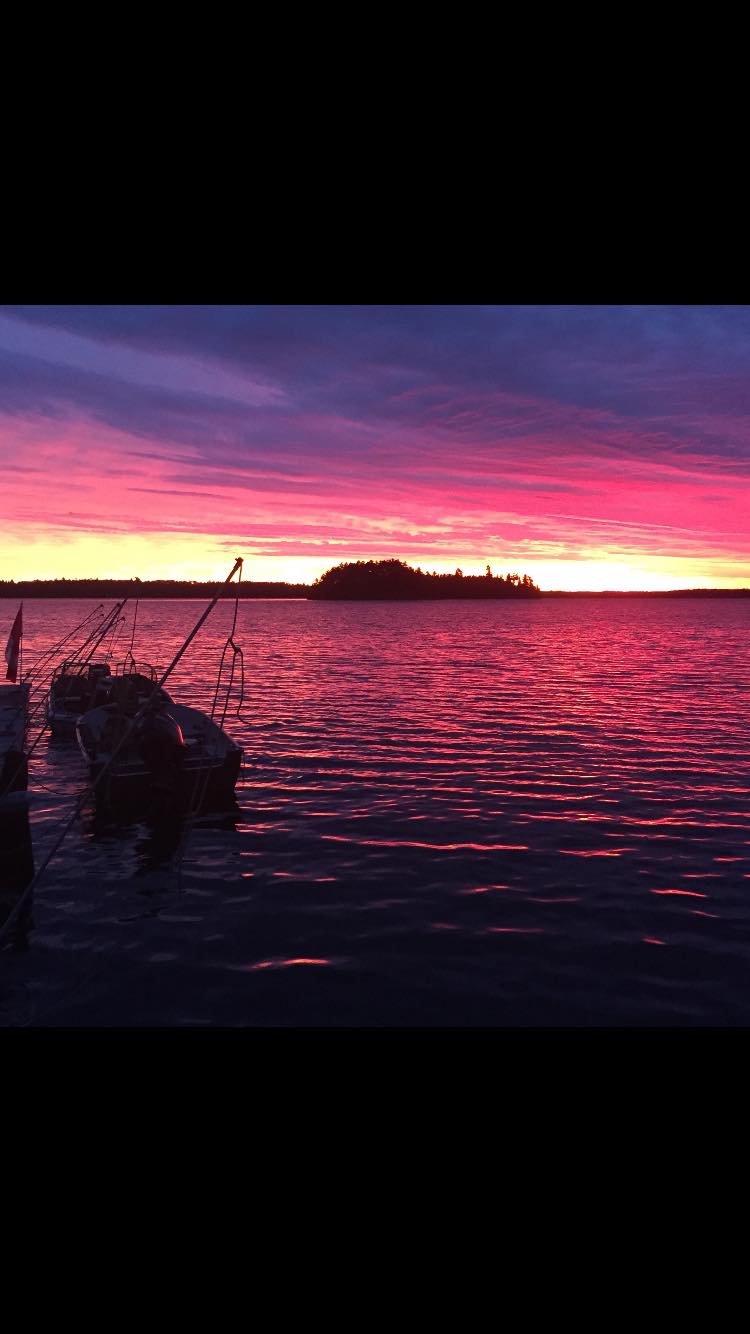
(370, 580)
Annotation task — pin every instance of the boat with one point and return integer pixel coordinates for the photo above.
(79, 687)
(75, 688)
(164, 753)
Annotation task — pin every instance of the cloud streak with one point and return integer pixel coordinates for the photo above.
(532, 434)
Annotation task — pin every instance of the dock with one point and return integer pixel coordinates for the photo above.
(14, 716)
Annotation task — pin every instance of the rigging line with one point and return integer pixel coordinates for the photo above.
(218, 679)
(111, 620)
(195, 808)
(237, 566)
(27, 753)
(44, 670)
(31, 673)
(236, 651)
(229, 642)
(132, 637)
(100, 629)
(115, 635)
(248, 721)
(97, 634)
(125, 736)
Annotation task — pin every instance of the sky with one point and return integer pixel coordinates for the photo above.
(588, 446)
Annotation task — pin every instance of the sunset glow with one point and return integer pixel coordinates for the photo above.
(591, 447)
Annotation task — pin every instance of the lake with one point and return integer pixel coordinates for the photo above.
(458, 813)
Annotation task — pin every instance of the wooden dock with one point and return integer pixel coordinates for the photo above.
(14, 715)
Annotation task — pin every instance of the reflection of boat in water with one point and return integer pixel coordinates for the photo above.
(78, 687)
(170, 754)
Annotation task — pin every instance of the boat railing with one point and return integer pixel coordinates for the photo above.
(86, 670)
(132, 668)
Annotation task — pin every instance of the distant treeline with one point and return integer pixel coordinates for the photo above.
(359, 580)
(370, 580)
(149, 588)
(651, 593)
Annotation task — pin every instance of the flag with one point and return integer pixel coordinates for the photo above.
(13, 646)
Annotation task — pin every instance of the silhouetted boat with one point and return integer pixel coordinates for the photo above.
(75, 688)
(78, 687)
(171, 754)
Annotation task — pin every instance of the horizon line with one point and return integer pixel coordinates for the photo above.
(12, 585)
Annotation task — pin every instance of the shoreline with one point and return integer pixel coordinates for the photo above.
(53, 592)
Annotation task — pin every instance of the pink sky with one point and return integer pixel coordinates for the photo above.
(590, 447)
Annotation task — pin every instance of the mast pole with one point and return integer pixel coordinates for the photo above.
(237, 566)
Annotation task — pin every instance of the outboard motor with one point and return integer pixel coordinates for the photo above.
(124, 694)
(162, 747)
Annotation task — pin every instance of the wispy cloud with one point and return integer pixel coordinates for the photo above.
(537, 432)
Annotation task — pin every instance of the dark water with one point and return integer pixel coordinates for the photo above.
(451, 814)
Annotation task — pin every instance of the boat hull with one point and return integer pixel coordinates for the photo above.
(183, 788)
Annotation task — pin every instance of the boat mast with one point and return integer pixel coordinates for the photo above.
(237, 566)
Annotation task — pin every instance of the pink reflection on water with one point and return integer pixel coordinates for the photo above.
(600, 852)
(568, 817)
(514, 931)
(285, 963)
(440, 847)
(652, 940)
(684, 893)
(484, 889)
(557, 898)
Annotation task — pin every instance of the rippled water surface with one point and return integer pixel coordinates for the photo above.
(450, 814)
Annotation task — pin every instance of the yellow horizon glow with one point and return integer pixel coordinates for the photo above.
(181, 556)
